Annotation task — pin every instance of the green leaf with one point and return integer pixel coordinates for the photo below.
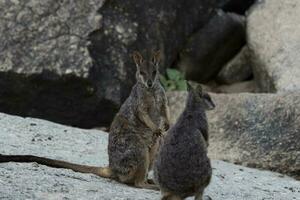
(173, 74)
(174, 80)
(171, 86)
(181, 85)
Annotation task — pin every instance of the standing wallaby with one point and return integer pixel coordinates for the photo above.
(133, 132)
(182, 167)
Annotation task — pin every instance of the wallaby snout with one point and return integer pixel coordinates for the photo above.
(149, 83)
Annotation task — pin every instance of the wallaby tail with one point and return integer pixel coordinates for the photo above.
(100, 171)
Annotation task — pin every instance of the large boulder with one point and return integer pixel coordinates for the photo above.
(210, 48)
(39, 137)
(257, 130)
(133, 25)
(273, 38)
(237, 69)
(45, 63)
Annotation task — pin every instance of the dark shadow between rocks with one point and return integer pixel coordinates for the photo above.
(64, 99)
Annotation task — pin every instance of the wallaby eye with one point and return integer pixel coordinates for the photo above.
(153, 61)
(154, 72)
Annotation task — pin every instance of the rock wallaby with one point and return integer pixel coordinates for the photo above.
(133, 132)
(182, 167)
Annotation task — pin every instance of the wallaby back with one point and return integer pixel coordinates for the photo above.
(182, 167)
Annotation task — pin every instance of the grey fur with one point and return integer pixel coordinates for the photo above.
(182, 167)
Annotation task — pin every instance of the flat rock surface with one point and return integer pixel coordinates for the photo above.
(43, 138)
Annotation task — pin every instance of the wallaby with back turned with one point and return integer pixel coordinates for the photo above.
(133, 132)
(182, 167)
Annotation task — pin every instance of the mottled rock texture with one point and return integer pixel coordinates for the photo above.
(43, 138)
(45, 66)
(41, 36)
(273, 39)
(211, 47)
(257, 130)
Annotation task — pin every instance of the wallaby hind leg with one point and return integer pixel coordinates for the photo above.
(141, 179)
(199, 196)
(139, 183)
(146, 186)
(170, 196)
(128, 178)
(142, 174)
(153, 153)
(199, 193)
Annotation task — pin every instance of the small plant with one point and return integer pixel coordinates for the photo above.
(174, 80)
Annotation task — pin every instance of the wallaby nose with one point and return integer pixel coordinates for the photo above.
(149, 83)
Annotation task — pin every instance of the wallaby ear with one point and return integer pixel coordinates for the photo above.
(189, 87)
(208, 102)
(137, 57)
(156, 56)
(199, 89)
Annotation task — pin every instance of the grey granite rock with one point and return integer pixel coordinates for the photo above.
(212, 46)
(273, 32)
(257, 130)
(43, 138)
(45, 65)
(39, 36)
(237, 69)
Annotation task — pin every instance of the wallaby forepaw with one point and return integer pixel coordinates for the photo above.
(158, 133)
(166, 127)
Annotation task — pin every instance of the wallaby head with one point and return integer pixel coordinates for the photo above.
(147, 69)
(201, 97)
